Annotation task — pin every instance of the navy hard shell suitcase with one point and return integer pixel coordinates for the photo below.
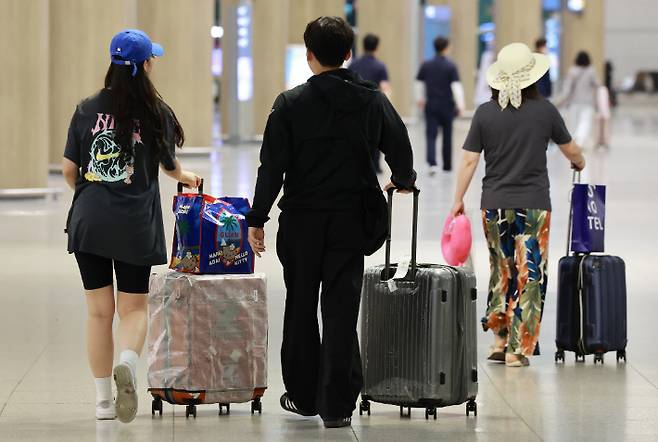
(418, 335)
(591, 306)
(591, 311)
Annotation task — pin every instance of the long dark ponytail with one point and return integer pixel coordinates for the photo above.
(136, 101)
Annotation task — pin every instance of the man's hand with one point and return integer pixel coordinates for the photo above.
(257, 240)
(390, 186)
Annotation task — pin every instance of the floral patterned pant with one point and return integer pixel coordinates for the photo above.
(518, 254)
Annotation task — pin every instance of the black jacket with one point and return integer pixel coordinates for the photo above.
(314, 145)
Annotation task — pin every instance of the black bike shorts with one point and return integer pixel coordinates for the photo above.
(96, 273)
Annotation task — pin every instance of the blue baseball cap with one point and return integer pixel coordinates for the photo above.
(132, 47)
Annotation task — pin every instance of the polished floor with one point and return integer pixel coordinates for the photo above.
(46, 390)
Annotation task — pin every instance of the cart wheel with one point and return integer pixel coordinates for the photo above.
(364, 407)
(402, 414)
(580, 358)
(471, 405)
(430, 411)
(598, 357)
(621, 354)
(156, 406)
(559, 356)
(221, 409)
(190, 410)
(256, 406)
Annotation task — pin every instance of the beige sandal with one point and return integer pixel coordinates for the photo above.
(496, 354)
(520, 361)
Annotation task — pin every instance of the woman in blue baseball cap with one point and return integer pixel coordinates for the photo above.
(118, 141)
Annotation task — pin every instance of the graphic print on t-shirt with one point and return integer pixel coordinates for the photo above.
(107, 163)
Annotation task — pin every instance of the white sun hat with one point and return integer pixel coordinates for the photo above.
(516, 68)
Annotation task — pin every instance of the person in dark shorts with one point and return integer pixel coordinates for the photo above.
(373, 70)
(316, 146)
(513, 131)
(117, 141)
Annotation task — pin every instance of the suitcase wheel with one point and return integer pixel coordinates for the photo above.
(471, 405)
(228, 409)
(402, 412)
(621, 354)
(431, 411)
(598, 357)
(256, 406)
(580, 358)
(364, 407)
(190, 410)
(559, 356)
(156, 406)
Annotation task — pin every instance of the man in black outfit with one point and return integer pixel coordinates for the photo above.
(316, 145)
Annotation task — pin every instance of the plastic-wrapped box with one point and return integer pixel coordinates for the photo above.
(208, 337)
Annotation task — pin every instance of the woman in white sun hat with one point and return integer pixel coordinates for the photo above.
(513, 131)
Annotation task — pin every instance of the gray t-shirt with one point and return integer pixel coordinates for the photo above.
(514, 142)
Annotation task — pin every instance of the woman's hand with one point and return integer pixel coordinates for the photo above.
(579, 166)
(257, 240)
(457, 209)
(189, 179)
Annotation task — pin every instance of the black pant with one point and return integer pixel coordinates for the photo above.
(435, 118)
(322, 249)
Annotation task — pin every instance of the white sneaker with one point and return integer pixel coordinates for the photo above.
(105, 411)
(126, 404)
(433, 170)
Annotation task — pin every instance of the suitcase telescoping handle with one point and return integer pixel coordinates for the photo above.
(414, 235)
(200, 189)
(575, 179)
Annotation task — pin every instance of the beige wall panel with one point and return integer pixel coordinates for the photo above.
(270, 36)
(24, 94)
(585, 32)
(83, 28)
(393, 21)
(518, 21)
(229, 58)
(183, 75)
(303, 11)
(464, 39)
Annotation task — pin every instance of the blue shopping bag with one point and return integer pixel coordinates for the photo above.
(210, 235)
(588, 218)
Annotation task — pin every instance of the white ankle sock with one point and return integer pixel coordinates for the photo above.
(130, 358)
(103, 389)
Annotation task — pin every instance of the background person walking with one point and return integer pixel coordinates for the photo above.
(438, 79)
(578, 96)
(373, 70)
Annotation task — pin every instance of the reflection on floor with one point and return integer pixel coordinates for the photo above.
(46, 391)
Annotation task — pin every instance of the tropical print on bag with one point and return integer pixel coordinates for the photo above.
(518, 257)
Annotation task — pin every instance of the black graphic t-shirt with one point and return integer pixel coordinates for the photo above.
(116, 211)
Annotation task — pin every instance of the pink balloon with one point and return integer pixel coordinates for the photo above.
(456, 240)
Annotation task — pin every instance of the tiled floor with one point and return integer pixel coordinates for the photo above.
(46, 390)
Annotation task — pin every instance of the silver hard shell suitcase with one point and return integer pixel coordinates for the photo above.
(418, 334)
